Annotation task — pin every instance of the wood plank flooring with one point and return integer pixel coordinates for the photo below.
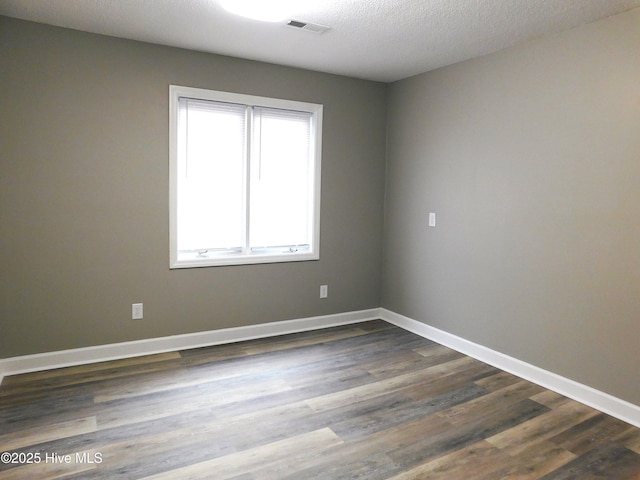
(368, 401)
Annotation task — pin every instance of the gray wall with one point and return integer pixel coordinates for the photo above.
(84, 194)
(531, 159)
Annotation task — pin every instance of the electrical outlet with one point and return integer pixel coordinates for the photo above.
(136, 311)
(324, 291)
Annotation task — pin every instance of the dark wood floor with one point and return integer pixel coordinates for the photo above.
(368, 401)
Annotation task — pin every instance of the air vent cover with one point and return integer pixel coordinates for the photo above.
(307, 26)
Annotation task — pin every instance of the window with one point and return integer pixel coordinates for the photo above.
(244, 178)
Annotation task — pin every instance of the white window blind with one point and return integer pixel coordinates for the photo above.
(211, 175)
(280, 179)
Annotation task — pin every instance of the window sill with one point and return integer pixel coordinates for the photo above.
(194, 260)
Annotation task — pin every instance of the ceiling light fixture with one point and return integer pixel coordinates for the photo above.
(262, 10)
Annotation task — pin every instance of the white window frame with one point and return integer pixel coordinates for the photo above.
(183, 260)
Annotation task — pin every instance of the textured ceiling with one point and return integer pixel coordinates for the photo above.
(382, 40)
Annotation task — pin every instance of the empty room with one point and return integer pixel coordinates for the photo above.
(377, 239)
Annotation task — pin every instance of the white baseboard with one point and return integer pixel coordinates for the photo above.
(114, 351)
(604, 402)
(621, 409)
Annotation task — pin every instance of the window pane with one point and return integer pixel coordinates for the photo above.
(210, 186)
(281, 179)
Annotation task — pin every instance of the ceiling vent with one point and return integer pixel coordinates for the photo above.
(307, 26)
